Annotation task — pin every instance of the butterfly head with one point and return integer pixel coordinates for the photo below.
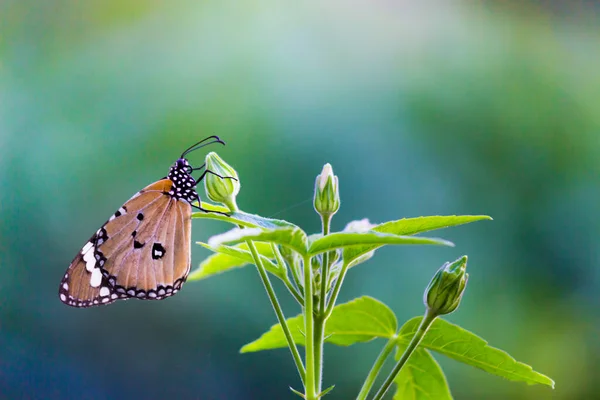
(184, 185)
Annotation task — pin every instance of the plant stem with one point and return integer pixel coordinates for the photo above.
(293, 291)
(326, 221)
(309, 385)
(423, 327)
(275, 303)
(297, 280)
(319, 341)
(370, 380)
(285, 277)
(264, 277)
(336, 290)
(321, 318)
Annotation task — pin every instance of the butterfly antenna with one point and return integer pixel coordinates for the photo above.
(200, 144)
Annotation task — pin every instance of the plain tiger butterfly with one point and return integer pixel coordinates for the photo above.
(144, 250)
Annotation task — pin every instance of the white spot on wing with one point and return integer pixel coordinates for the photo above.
(96, 278)
(66, 286)
(63, 297)
(90, 260)
(87, 246)
(104, 291)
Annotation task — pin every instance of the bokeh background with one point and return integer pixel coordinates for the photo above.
(421, 107)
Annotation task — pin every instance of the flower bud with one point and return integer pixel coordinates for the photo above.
(221, 183)
(327, 195)
(445, 290)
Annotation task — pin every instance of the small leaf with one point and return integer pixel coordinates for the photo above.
(297, 392)
(345, 239)
(421, 378)
(241, 218)
(360, 320)
(408, 227)
(230, 257)
(326, 391)
(458, 343)
(294, 238)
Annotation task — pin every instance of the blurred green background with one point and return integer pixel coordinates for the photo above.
(422, 108)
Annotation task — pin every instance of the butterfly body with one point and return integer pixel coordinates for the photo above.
(142, 251)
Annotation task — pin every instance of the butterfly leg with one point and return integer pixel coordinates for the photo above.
(210, 211)
(213, 173)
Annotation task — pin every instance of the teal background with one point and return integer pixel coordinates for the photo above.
(421, 107)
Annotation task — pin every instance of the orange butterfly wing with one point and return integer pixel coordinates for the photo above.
(142, 251)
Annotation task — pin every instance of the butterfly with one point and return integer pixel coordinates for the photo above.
(144, 250)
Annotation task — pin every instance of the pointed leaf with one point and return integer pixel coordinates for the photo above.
(345, 239)
(230, 257)
(294, 238)
(458, 343)
(410, 226)
(297, 392)
(421, 378)
(359, 320)
(325, 392)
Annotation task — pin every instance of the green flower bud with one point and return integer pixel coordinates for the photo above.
(327, 195)
(445, 290)
(221, 182)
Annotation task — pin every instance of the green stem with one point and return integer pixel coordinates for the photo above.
(326, 221)
(275, 303)
(285, 277)
(319, 341)
(423, 327)
(297, 280)
(264, 277)
(370, 380)
(336, 290)
(321, 318)
(309, 386)
(293, 291)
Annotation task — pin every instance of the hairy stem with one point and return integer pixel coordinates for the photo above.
(297, 280)
(285, 277)
(309, 386)
(264, 277)
(374, 372)
(419, 334)
(293, 291)
(336, 290)
(321, 317)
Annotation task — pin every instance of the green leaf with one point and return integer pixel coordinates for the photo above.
(297, 392)
(407, 227)
(421, 378)
(294, 238)
(345, 239)
(230, 257)
(241, 218)
(360, 320)
(326, 391)
(458, 343)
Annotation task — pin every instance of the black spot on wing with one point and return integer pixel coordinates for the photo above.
(158, 251)
(137, 245)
